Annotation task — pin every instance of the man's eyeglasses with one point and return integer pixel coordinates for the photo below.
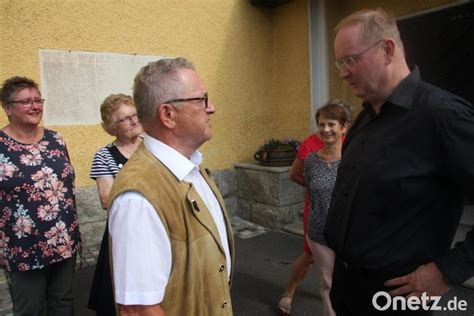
(127, 119)
(29, 102)
(204, 98)
(352, 60)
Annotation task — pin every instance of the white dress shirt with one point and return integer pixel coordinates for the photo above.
(139, 238)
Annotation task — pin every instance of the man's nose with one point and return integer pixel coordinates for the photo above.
(344, 72)
(210, 107)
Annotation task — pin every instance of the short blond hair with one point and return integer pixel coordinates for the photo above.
(111, 104)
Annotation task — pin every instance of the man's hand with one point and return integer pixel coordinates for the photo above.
(426, 278)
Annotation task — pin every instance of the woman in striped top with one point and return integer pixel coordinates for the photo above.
(119, 119)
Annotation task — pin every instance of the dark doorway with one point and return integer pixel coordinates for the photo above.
(441, 43)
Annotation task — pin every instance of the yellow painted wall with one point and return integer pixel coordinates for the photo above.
(338, 9)
(239, 50)
(254, 60)
(291, 70)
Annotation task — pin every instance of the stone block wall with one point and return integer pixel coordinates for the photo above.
(266, 195)
(227, 183)
(92, 221)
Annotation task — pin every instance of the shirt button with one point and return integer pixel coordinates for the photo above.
(224, 304)
(221, 268)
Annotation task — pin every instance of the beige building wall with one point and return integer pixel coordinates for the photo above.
(241, 52)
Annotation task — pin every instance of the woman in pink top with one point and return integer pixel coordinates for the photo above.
(303, 263)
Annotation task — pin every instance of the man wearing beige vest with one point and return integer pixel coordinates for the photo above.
(171, 239)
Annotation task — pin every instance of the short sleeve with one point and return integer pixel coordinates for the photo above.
(60, 140)
(103, 164)
(311, 144)
(139, 241)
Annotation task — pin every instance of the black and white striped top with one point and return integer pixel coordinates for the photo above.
(107, 162)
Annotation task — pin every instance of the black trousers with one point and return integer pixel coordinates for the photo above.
(101, 297)
(353, 291)
(46, 291)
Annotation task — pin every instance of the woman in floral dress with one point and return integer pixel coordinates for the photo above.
(39, 234)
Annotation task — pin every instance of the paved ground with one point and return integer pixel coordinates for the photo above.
(262, 263)
(260, 275)
(261, 268)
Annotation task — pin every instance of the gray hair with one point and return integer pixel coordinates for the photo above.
(156, 83)
(375, 25)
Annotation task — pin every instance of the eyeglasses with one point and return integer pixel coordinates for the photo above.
(29, 102)
(352, 60)
(127, 119)
(204, 98)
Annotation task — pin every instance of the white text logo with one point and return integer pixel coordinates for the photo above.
(382, 301)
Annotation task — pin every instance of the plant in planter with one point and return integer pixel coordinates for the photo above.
(276, 152)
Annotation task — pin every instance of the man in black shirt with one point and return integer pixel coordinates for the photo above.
(407, 167)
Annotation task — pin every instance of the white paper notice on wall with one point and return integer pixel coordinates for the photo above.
(74, 83)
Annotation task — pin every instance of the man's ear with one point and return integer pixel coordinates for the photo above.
(389, 49)
(166, 113)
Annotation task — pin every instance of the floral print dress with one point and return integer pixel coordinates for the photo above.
(38, 221)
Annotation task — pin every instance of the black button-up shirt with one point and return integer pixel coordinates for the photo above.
(402, 183)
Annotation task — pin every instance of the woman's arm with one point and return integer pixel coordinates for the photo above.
(104, 184)
(297, 171)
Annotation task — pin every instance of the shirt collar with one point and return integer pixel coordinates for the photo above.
(404, 93)
(178, 164)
